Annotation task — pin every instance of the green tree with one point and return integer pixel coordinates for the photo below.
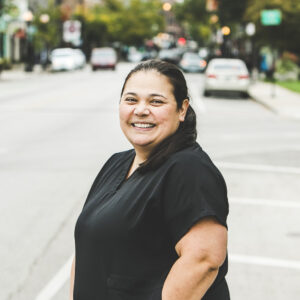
(231, 12)
(195, 20)
(48, 35)
(282, 37)
(113, 20)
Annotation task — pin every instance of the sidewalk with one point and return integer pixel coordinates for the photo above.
(18, 73)
(278, 99)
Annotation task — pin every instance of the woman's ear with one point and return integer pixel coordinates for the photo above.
(183, 109)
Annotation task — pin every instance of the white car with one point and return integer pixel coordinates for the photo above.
(226, 74)
(80, 59)
(63, 59)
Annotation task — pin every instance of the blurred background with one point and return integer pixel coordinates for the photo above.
(62, 65)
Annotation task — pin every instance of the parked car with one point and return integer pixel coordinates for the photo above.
(226, 74)
(63, 59)
(80, 59)
(103, 58)
(192, 62)
(170, 55)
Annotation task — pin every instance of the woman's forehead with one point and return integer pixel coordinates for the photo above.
(148, 82)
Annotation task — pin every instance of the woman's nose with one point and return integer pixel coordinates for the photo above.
(141, 109)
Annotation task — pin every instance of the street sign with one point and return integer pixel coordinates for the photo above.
(270, 17)
(72, 31)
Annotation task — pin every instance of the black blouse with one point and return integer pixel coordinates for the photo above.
(126, 234)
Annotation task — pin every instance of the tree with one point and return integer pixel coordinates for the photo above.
(282, 37)
(113, 20)
(195, 20)
(48, 35)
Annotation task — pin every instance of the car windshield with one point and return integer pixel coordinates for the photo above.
(104, 53)
(57, 54)
(228, 67)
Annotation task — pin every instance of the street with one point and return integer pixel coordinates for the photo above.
(57, 130)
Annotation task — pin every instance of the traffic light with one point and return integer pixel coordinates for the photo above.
(181, 41)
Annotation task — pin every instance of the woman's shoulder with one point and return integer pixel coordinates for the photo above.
(193, 161)
(191, 156)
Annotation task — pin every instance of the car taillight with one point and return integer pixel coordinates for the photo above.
(243, 77)
(202, 63)
(211, 76)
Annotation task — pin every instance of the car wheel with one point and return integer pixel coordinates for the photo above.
(244, 95)
(94, 69)
(206, 93)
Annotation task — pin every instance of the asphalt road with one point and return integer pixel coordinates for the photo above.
(58, 129)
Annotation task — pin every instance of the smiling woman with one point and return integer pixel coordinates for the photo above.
(153, 226)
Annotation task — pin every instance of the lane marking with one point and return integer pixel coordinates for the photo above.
(264, 202)
(255, 167)
(256, 136)
(56, 283)
(264, 261)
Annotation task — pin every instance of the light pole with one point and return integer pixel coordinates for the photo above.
(44, 19)
(28, 17)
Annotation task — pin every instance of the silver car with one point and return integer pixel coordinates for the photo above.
(226, 74)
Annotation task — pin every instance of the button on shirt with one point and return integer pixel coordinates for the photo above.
(126, 234)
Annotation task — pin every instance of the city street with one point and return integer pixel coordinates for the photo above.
(57, 130)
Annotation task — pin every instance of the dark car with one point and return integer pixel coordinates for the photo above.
(103, 58)
(170, 55)
(192, 62)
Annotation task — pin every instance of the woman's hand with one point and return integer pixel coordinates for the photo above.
(202, 250)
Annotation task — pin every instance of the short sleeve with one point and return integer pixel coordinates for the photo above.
(193, 189)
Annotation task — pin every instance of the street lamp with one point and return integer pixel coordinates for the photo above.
(28, 17)
(167, 6)
(44, 19)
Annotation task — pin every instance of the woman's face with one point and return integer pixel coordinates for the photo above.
(148, 110)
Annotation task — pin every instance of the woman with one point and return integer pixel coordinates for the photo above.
(154, 223)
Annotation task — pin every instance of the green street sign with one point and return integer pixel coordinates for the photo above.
(270, 17)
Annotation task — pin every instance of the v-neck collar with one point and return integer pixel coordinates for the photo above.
(124, 170)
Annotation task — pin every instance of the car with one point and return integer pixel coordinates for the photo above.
(226, 74)
(172, 55)
(192, 62)
(63, 59)
(103, 58)
(80, 59)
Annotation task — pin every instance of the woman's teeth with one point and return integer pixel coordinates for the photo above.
(143, 125)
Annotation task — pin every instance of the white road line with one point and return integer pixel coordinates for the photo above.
(264, 261)
(257, 136)
(264, 202)
(262, 168)
(56, 283)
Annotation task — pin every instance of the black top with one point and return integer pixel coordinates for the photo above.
(126, 233)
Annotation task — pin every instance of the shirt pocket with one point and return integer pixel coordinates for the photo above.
(133, 288)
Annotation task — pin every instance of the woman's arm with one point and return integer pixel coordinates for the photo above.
(201, 252)
(72, 279)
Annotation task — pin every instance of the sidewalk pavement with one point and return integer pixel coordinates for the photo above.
(278, 99)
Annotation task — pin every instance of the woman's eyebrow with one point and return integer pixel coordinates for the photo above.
(151, 95)
(158, 95)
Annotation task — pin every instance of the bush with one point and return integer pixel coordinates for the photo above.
(5, 64)
(286, 69)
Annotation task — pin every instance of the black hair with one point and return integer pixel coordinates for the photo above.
(186, 133)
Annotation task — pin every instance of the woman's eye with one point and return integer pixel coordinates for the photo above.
(156, 101)
(130, 100)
